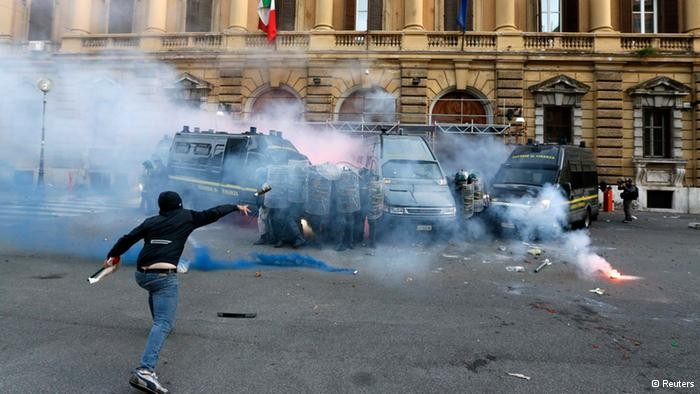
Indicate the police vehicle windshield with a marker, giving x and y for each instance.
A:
(525, 176)
(410, 169)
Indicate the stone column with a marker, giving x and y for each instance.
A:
(6, 17)
(157, 14)
(505, 15)
(601, 15)
(692, 16)
(324, 15)
(80, 21)
(238, 15)
(413, 15)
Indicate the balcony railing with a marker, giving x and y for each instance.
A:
(664, 43)
(352, 41)
(125, 41)
(454, 41)
(581, 42)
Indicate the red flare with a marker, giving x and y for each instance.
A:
(614, 274)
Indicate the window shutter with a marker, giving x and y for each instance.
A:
(569, 17)
(198, 16)
(374, 19)
(450, 18)
(668, 16)
(286, 15)
(626, 16)
(350, 10)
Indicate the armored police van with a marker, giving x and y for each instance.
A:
(519, 184)
(217, 167)
(416, 195)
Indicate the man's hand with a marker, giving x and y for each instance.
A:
(111, 261)
(244, 209)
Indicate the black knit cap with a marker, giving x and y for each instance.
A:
(169, 201)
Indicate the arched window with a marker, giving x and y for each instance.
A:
(373, 105)
(198, 18)
(277, 104)
(121, 16)
(40, 20)
(460, 107)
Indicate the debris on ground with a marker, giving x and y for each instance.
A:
(598, 291)
(674, 343)
(408, 280)
(694, 225)
(545, 263)
(258, 274)
(515, 268)
(535, 251)
(519, 375)
(502, 248)
(450, 256)
(672, 217)
(547, 307)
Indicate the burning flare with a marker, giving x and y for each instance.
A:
(615, 274)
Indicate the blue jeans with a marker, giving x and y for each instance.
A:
(162, 301)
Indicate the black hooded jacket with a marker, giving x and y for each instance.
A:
(165, 235)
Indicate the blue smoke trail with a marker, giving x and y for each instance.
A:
(204, 262)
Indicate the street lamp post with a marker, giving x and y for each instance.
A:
(45, 85)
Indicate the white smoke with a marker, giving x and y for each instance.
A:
(588, 264)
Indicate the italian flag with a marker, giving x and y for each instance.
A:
(268, 18)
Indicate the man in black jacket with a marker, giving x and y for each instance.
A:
(164, 240)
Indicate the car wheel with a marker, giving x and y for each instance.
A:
(586, 223)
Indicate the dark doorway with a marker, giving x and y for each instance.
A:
(558, 125)
(660, 199)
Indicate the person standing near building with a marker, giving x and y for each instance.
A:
(164, 238)
(629, 194)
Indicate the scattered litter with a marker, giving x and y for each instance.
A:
(106, 238)
(450, 256)
(258, 274)
(611, 248)
(228, 251)
(598, 291)
(674, 343)
(544, 264)
(519, 375)
(694, 225)
(485, 262)
(594, 346)
(547, 307)
(667, 217)
(515, 268)
(502, 248)
(535, 251)
(466, 283)
(408, 280)
(355, 272)
(607, 220)
(466, 258)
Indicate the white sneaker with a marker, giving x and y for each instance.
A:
(147, 381)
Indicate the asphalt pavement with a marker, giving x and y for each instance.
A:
(421, 316)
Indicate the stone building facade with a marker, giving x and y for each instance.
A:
(621, 76)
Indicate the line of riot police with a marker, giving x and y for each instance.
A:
(334, 201)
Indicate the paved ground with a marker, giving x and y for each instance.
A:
(419, 317)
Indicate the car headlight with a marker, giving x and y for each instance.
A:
(449, 211)
(545, 203)
(396, 210)
(442, 181)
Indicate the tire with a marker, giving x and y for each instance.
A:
(586, 222)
